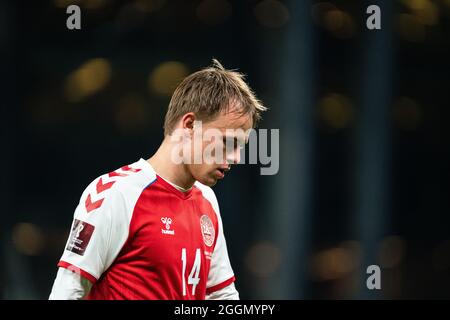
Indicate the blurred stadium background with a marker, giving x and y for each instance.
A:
(363, 118)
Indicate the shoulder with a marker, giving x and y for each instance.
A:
(121, 186)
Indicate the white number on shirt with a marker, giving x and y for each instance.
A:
(193, 278)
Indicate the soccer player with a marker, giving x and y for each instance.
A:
(152, 229)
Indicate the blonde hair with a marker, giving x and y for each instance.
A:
(209, 92)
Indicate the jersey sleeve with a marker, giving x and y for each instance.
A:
(99, 230)
(69, 285)
(221, 273)
(227, 293)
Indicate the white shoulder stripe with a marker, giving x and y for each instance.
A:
(209, 195)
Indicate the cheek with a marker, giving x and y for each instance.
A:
(213, 149)
(200, 170)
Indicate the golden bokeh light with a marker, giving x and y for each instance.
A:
(271, 14)
(319, 10)
(88, 79)
(336, 111)
(28, 239)
(166, 76)
(334, 263)
(263, 259)
(339, 23)
(213, 12)
(425, 10)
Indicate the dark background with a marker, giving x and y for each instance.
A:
(363, 118)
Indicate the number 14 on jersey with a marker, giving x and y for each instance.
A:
(193, 278)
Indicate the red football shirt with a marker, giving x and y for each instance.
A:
(135, 236)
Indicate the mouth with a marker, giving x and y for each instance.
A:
(220, 172)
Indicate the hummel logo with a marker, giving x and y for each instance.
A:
(167, 221)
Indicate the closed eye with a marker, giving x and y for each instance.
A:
(232, 142)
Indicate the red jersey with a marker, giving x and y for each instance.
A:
(135, 236)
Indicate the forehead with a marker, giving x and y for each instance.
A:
(231, 120)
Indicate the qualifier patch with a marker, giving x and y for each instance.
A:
(208, 231)
(80, 237)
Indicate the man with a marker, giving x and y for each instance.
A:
(152, 229)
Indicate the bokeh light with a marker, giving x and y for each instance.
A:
(425, 10)
(271, 14)
(339, 23)
(28, 239)
(166, 76)
(214, 12)
(89, 78)
(334, 263)
(336, 111)
(263, 259)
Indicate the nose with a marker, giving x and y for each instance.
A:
(234, 157)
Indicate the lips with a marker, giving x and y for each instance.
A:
(221, 171)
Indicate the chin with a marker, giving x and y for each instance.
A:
(208, 181)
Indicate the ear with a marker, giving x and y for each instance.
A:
(187, 121)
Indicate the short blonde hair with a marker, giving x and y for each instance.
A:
(209, 92)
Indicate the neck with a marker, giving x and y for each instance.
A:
(164, 166)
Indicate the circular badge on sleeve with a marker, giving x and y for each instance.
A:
(208, 231)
